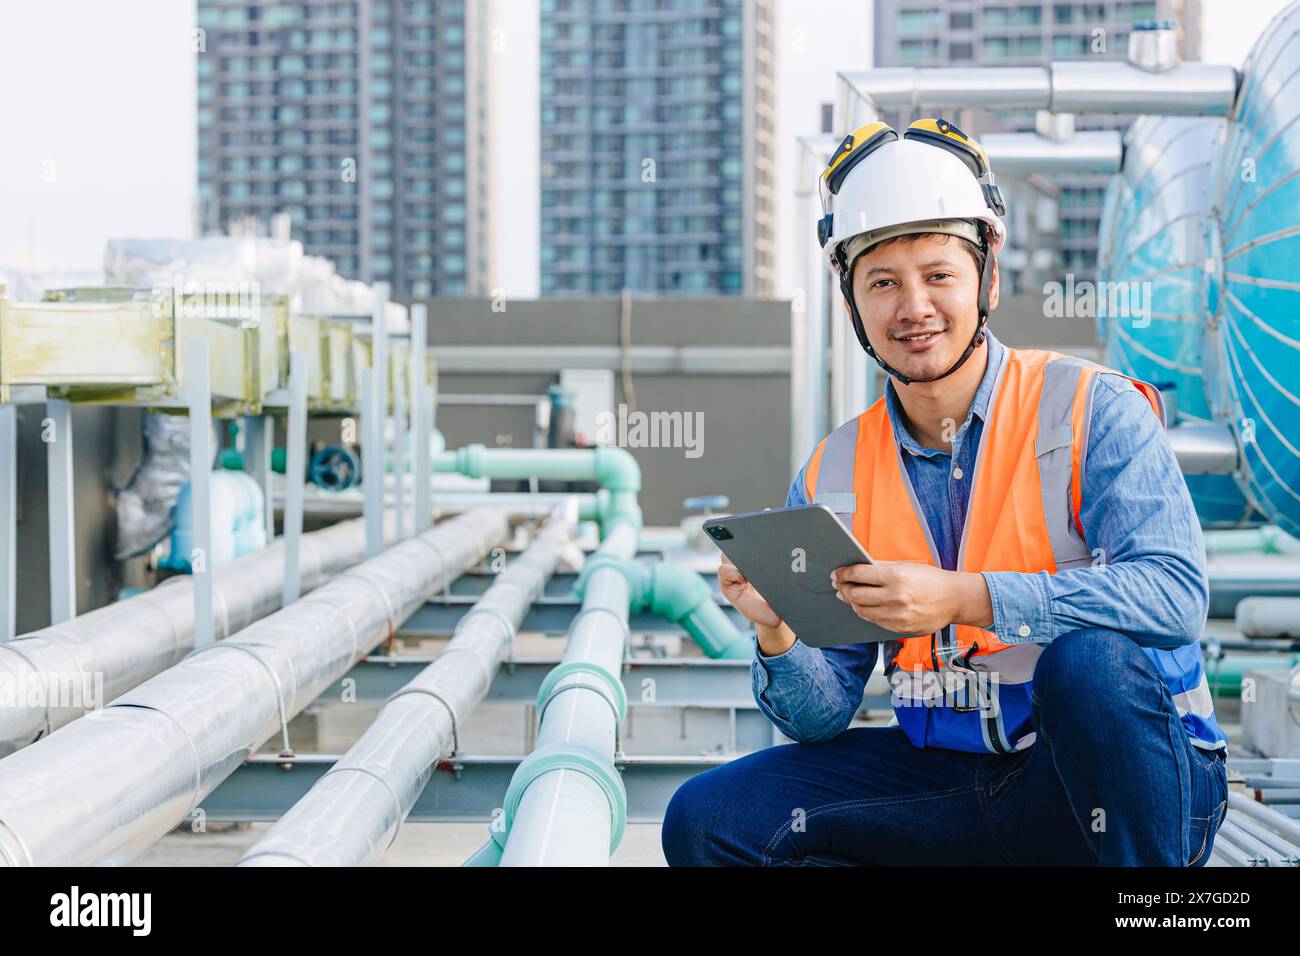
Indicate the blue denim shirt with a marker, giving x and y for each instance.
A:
(1149, 584)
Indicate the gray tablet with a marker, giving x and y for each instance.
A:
(788, 555)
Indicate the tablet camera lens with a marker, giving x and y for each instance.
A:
(719, 533)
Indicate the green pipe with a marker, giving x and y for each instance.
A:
(489, 854)
(1224, 674)
(614, 469)
(232, 459)
(680, 595)
(668, 589)
(1268, 539)
(572, 755)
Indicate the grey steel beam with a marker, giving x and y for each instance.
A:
(649, 359)
(259, 439)
(200, 558)
(56, 431)
(547, 616)
(294, 470)
(421, 417)
(8, 520)
(462, 790)
(676, 682)
(477, 580)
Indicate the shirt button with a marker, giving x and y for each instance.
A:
(1024, 630)
(957, 473)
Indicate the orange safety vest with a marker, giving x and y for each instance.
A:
(963, 688)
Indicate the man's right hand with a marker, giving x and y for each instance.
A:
(774, 636)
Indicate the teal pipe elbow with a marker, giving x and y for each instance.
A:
(716, 635)
(680, 595)
(616, 469)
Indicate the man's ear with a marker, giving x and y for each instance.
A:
(993, 286)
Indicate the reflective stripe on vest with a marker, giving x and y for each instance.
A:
(1023, 516)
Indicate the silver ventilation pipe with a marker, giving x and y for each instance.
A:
(1022, 154)
(67, 669)
(106, 787)
(1187, 89)
(1204, 448)
(810, 309)
(353, 813)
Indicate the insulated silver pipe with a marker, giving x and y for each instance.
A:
(86, 662)
(1204, 448)
(564, 817)
(809, 324)
(107, 786)
(1256, 852)
(1285, 827)
(1269, 617)
(1228, 851)
(1280, 852)
(1187, 89)
(353, 813)
(1021, 154)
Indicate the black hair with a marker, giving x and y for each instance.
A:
(976, 251)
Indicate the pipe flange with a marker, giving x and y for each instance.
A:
(613, 706)
(617, 695)
(568, 756)
(613, 693)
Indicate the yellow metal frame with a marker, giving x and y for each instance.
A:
(114, 345)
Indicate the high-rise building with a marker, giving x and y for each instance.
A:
(657, 147)
(367, 121)
(1015, 33)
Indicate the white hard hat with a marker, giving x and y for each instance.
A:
(935, 179)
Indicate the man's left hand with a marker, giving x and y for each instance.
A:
(914, 599)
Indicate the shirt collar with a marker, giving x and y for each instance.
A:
(979, 405)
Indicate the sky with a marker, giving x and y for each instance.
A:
(97, 120)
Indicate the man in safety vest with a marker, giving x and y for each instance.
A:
(1036, 550)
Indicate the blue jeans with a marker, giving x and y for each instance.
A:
(1111, 779)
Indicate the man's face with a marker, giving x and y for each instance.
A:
(918, 299)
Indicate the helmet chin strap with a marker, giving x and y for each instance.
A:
(981, 332)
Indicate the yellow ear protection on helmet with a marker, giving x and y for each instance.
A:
(856, 147)
(941, 133)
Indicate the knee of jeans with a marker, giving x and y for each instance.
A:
(684, 835)
(1089, 664)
